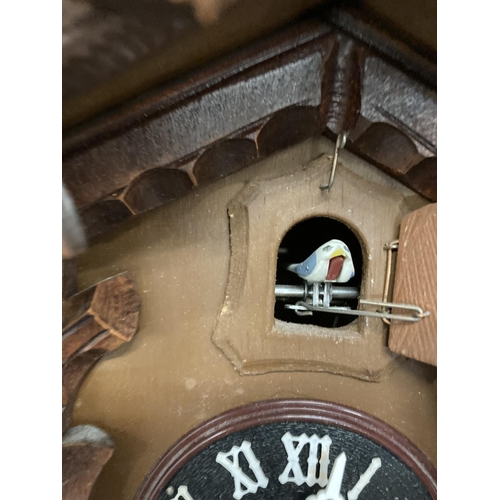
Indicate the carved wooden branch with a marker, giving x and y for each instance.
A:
(85, 451)
(100, 317)
(95, 321)
(73, 375)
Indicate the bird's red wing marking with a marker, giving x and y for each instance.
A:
(334, 268)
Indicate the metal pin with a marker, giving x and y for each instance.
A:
(339, 144)
(316, 294)
(390, 248)
(418, 313)
(302, 312)
(326, 291)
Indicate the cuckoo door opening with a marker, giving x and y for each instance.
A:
(322, 258)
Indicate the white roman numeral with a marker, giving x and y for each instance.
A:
(332, 491)
(240, 478)
(182, 494)
(364, 479)
(293, 465)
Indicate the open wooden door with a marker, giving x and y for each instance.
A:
(416, 283)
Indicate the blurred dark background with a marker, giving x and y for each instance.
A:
(114, 50)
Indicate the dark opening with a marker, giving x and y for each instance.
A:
(297, 245)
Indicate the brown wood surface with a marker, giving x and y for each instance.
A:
(69, 278)
(115, 49)
(259, 217)
(73, 375)
(309, 79)
(207, 11)
(416, 283)
(172, 377)
(364, 25)
(85, 451)
(113, 304)
(95, 321)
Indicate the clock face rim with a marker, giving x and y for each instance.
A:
(279, 410)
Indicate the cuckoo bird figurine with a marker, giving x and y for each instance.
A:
(331, 262)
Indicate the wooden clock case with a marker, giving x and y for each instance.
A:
(196, 151)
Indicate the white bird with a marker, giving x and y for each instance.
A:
(332, 262)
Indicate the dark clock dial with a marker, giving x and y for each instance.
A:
(292, 449)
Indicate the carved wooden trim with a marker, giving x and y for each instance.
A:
(95, 321)
(310, 79)
(73, 375)
(362, 27)
(266, 412)
(112, 303)
(342, 84)
(202, 81)
(115, 49)
(85, 451)
(391, 150)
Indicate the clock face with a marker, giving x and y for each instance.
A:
(292, 450)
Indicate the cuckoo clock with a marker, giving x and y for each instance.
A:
(212, 338)
(270, 337)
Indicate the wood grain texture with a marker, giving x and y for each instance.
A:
(79, 336)
(306, 80)
(416, 283)
(115, 49)
(104, 215)
(288, 127)
(95, 321)
(172, 377)
(423, 178)
(113, 303)
(390, 147)
(252, 90)
(207, 11)
(395, 97)
(73, 375)
(224, 158)
(259, 217)
(342, 84)
(85, 451)
(69, 278)
(366, 27)
(156, 187)
(392, 150)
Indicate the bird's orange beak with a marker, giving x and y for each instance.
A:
(338, 253)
